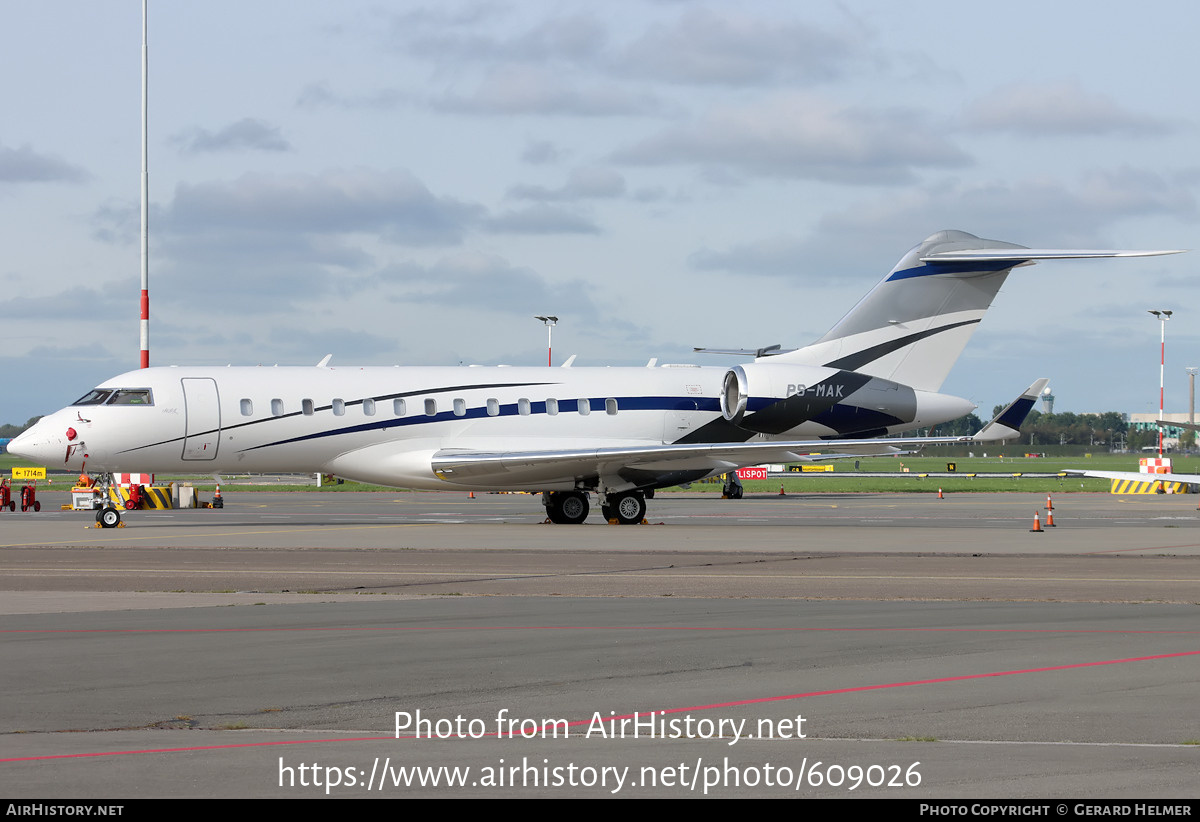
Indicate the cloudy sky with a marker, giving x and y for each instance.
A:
(407, 182)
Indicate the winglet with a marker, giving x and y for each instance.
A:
(1007, 423)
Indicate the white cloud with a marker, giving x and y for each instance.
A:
(394, 205)
(591, 182)
(804, 136)
(247, 134)
(1059, 109)
(522, 89)
(24, 165)
(732, 47)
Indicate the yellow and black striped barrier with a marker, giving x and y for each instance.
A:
(152, 497)
(1147, 487)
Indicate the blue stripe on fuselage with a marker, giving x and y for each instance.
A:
(567, 406)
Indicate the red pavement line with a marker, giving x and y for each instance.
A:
(735, 703)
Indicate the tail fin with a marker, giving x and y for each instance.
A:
(912, 327)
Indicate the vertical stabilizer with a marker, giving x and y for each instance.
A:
(913, 325)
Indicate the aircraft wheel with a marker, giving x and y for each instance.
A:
(109, 517)
(568, 507)
(737, 493)
(630, 509)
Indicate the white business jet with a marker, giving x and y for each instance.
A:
(619, 433)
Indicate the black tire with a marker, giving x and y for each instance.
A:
(608, 512)
(37, 505)
(630, 509)
(568, 507)
(109, 517)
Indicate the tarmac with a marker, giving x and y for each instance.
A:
(814, 645)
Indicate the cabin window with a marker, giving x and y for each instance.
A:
(369, 408)
(96, 396)
(398, 407)
(493, 407)
(131, 396)
(307, 407)
(339, 407)
(247, 408)
(460, 408)
(523, 407)
(551, 406)
(277, 407)
(585, 407)
(431, 407)
(610, 406)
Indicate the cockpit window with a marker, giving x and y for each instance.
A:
(131, 396)
(96, 396)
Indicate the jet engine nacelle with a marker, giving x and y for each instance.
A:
(776, 398)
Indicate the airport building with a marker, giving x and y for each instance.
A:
(1149, 422)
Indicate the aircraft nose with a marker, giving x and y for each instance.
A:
(36, 445)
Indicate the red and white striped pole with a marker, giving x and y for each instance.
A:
(145, 321)
(1162, 316)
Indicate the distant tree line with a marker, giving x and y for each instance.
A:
(10, 430)
(1107, 430)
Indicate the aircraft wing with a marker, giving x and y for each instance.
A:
(473, 467)
(1134, 476)
(650, 463)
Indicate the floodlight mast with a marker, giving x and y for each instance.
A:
(550, 322)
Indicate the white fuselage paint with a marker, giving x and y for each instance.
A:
(236, 419)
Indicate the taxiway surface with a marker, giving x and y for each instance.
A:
(934, 648)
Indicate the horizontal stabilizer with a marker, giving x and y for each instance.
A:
(768, 351)
(1007, 423)
(1016, 255)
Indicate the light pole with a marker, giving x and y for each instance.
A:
(1162, 317)
(1191, 372)
(550, 323)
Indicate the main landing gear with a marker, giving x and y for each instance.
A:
(628, 508)
(571, 507)
(566, 507)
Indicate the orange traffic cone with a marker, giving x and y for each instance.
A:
(1050, 520)
(1049, 504)
(1037, 525)
(471, 495)
(940, 494)
(217, 502)
(781, 490)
